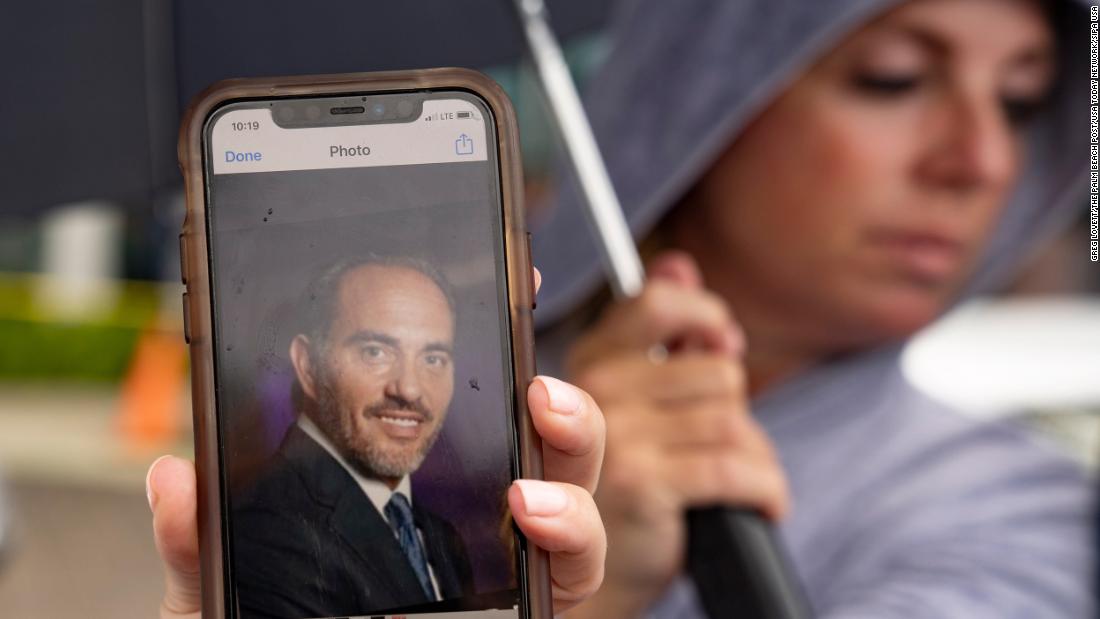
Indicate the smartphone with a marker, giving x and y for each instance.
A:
(358, 308)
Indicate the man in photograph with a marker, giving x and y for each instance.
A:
(331, 527)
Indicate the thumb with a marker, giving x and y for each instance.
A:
(170, 485)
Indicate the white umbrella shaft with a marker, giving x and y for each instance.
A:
(605, 214)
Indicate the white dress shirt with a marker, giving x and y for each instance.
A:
(377, 491)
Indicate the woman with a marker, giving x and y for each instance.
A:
(835, 174)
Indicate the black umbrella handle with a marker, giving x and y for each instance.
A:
(740, 567)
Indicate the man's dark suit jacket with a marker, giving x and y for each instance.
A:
(307, 542)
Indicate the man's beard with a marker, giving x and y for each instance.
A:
(368, 456)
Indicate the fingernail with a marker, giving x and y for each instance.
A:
(149, 494)
(541, 498)
(736, 341)
(564, 398)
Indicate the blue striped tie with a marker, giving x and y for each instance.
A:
(399, 513)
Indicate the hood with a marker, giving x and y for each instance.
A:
(684, 78)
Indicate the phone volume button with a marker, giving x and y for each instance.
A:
(531, 270)
(186, 319)
(183, 260)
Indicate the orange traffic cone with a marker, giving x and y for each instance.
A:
(149, 403)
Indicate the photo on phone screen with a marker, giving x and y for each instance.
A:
(362, 357)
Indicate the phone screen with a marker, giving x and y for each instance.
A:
(362, 356)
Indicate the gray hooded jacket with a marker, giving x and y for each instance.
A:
(903, 507)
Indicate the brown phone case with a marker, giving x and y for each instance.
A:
(198, 319)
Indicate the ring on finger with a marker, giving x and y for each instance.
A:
(657, 354)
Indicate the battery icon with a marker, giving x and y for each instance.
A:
(464, 115)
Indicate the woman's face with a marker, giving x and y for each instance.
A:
(858, 202)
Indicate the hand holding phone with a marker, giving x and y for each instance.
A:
(574, 536)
